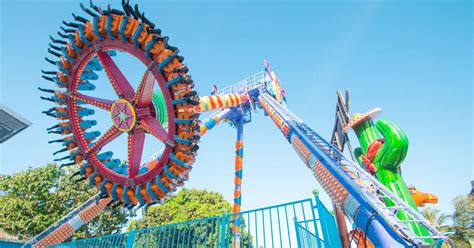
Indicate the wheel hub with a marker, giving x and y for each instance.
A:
(123, 115)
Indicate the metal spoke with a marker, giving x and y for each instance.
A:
(120, 84)
(111, 134)
(153, 127)
(144, 93)
(136, 140)
(98, 102)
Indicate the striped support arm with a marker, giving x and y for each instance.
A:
(66, 230)
(239, 150)
(213, 120)
(209, 103)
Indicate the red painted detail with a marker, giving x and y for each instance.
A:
(118, 80)
(370, 167)
(145, 90)
(73, 81)
(219, 101)
(212, 102)
(374, 148)
(98, 102)
(144, 112)
(136, 140)
(111, 134)
(153, 127)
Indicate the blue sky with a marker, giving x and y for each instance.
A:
(411, 58)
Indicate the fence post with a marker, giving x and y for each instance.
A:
(329, 227)
(223, 223)
(297, 231)
(316, 208)
(130, 239)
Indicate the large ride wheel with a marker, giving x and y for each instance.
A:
(161, 106)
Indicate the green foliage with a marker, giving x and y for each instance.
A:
(463, 211)
(34, 199)
(188, 204)
(435, 217)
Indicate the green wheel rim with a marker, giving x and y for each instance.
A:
(160, 106)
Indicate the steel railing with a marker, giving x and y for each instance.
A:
(285, 225)
(249, 83)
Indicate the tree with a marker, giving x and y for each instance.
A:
(462, 220)
(436, 218)
(34, 199)
(186, 205)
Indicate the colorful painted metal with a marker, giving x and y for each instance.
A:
(273, 86)
(239, 153)
(422, 198)
(213, 120)
(209, 103)
(383, 148)
(350, 186)
(162, 105)
(65, 227)
(340, 140)
(172, 116)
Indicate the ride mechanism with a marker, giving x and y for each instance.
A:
(164, 106)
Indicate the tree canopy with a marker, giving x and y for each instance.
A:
(461, 227)
(190, 204)
(462, 221)
(436, 218)
(186, 205)
(32, 200)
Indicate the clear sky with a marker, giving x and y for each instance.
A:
(411, 58)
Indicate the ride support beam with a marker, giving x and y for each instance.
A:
(340, 139)
(339, 187)
(60, 233)
(239, 153)
(209, 103)
(67, 229)
(213, 120)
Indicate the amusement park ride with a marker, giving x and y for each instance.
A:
(368, 190)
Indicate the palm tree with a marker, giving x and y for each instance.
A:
(436, 218)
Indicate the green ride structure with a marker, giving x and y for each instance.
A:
(383, 147)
